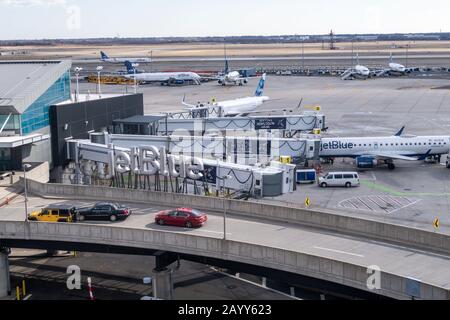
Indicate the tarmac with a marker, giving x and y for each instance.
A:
(414, 194)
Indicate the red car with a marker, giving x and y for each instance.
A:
(182, 217)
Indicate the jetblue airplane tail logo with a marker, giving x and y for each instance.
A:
(130, 68)
(104, 55)
(260, 89)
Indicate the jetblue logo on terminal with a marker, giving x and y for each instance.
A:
(334, 145)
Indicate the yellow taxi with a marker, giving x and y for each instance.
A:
(54, 214)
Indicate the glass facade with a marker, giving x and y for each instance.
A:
(13, 123)
(37, 116)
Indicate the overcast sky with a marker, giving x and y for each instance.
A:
(37, 19)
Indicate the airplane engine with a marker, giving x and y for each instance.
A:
(366, 162)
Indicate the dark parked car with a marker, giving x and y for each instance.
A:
(183, 217)
(104, 211)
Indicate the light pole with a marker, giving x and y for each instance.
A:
(25, 167)
(303, 54)
(77, 74)
(224, 178)
(99, 70)
(135, 65)
(407, 53)
(151, 60)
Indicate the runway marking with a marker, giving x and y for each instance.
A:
(338, 251)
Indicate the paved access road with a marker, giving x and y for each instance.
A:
(428, 267)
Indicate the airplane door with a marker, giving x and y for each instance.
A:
(375, 145)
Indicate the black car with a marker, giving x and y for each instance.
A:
(104, 211)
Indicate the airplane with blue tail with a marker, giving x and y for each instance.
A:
(237, 107)
(371, 151)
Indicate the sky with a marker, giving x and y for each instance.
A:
(55, 19)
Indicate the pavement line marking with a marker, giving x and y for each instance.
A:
(338, 251)
(393, 192)
(409, 205)
(374, 177)
(364, 203)
(380, 206)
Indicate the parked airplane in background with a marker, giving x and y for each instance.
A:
(236, 107)
(370, 151)
(231, 77)
(105, 58)
(394, 69)
(165, 78)
(357, 72)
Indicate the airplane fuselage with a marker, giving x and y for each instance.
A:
(241, 106)
(402, 146)
(165, 76)
(395, 67)
(362, 70)
(123, 60)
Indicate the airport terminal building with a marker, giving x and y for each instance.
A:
(27, 90)
(38, 113)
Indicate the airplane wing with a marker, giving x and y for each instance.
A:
(189, 106)
(278, 110)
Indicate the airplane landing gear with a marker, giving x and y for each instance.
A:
(391, 166)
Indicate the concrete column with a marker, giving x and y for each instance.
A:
(163, 284)
(5, 285)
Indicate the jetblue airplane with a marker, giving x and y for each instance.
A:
(237, 107)
(105, 58)
(386, 149)
(165, 78)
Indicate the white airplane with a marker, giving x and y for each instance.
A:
(394, 68)
(231, 77)
(105, 58)
(236, 107)
(370, 151)
(357, 72)
(165, 78)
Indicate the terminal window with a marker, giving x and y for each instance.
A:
(37, 116)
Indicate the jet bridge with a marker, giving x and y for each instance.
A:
(107, 161)
(233, 149)
(287, 125)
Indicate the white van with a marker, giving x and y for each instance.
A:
(340, 179)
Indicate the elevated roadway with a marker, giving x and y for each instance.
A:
(293, 248)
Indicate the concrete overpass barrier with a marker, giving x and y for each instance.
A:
(403, 235)
(353, 275)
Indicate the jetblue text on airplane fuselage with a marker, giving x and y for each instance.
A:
(335, 145)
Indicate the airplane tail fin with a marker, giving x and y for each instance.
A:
(357, 58)
(227, 67)
(400, 133)
(103, 55)
(260, 89)
(130, 68)
(391, 58)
